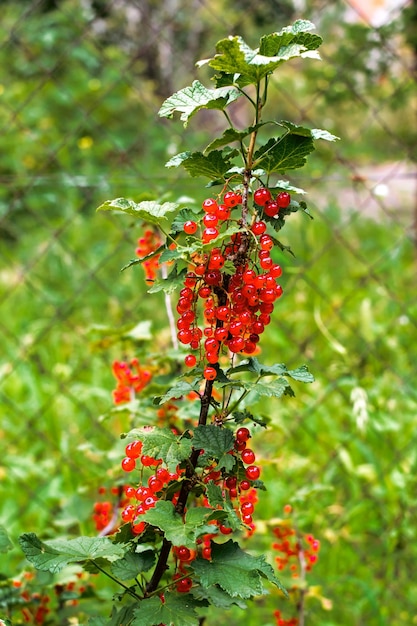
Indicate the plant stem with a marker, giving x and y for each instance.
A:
(125, 587)
(186, 486)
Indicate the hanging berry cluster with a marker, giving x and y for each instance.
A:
(131, 379)
(239, 298)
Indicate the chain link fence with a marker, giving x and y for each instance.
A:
(80, 87)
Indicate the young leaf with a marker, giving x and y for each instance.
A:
(133, 564)
(148, 210)
(297, 33)
(191, 99)
(235, 58)
(53, 556)
(235, 571)
(175, 610)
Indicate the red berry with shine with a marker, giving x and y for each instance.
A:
(283, 199)
(190, 227)
(262, 196)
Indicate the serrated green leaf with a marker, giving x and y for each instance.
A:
(236, 59)
(162, 443)
(214, 494)
(133, 564)
(235, 571)
(5, 543)
(217, 443)
(195, 97)
(214, 165)
(148, 210)
(217, 597)
(288, 152)
(297, 33)
(176, 610)
(52, 556)
(177, 530)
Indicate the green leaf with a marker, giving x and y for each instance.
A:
(231, 135)
(5, 543)
(288, 152)
(53, 556)
(217, 443)
(183, 216)
(180, 531)
(214, 165)
(181, 388)
(235, 571)
(148, 210)
(301, 374)
(217, 597)
(193, 98)
(133, 564)
(176, 610)
(297, 33)
(236, 59)
(171, 283)
(162, 443)
(214, 494)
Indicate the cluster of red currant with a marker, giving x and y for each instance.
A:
(148, 243)
(145, 495)
(131, 378)
(296, 551)
(237, 306)
(37, 606)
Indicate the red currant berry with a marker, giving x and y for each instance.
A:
(190, 360)
(258, 228)
(283, 199)
(184, 585)
(183, 553)
(242, 434)
(209, 373)
(128, 464)
(247, 508)
(248, 456)
(190, 227)
(253, 472)
(210, 220)
(209, 234)
(225, 530)
(134, 449)
(210, 205)
(275, 271)
(271, 209)
(262, 196)
(231, 199)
